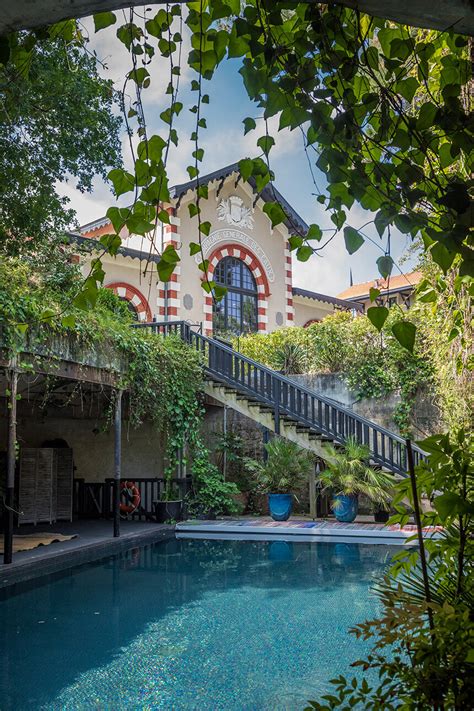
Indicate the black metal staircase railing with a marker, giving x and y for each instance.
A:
(286, 398)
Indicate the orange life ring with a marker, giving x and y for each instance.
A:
(133, 497)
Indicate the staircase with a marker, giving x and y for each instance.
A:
(285, 407)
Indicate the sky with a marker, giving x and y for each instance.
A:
(224, 143)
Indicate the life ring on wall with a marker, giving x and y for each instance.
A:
(132, 495)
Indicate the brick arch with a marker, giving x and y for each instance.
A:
(132, 294)
(258, 272)
(311, 321)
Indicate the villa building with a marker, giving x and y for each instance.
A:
(397, 289)
(248, 257)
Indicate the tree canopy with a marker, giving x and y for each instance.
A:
(384, 110)
(56, 122)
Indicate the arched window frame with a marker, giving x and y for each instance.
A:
(134, 296)
(232, 273)
(258, 272)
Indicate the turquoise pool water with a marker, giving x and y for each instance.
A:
(189, 624)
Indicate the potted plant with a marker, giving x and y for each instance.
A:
(287, 468)
(348, 474)
(170, 505)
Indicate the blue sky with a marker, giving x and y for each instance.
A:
(225, 143)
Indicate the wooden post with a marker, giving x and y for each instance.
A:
(312, 493)
(11, 462)
(276, 406)
(419, 531)
(117, 462)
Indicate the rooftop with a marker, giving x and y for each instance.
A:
(334, 300)
(294, 223)
(400, 282)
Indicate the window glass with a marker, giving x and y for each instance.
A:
(237, 311)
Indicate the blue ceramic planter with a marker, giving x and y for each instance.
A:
(280, 506)
(345, 508)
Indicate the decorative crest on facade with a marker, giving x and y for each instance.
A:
(233, 211)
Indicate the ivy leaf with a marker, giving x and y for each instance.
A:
(377, 316)
(353, 239)
(266, 143)
(194, 248)
(122, 181)
(163, 216)
(405, 333)
(104, 19)
(314, 232)
(167, 263)
(407, 88)
(246, 168)
(249, 125)
(295, 241)
(385, 265)
(442, 256)
(275, 212)
(193, 209)
(304, 253)
(205, 228)
(68, 321)
(219, 292)
(156, 144)
(374, 294)
(112, 243)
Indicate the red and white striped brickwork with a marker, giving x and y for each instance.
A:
(132, 294)
(169, 307)
(290, 312)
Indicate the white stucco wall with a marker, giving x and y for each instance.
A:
(309, 310)
(93, 451)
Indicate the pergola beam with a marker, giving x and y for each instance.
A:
(439, 15)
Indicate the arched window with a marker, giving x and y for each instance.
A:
(237, 311)
(131, 307)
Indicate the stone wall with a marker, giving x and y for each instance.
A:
(380, 410)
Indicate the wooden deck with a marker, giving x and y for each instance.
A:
(92, 540)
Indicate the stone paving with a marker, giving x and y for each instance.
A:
(305, 527)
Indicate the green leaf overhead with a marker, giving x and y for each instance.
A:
(353, 239)
(405, 333)
(104, 19)
(377, 315)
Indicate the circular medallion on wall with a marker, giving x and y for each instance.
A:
(279, 318)
(188, 302)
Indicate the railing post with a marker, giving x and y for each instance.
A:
(11, 464)
(117, 462)
(312, 493)
(276, 406)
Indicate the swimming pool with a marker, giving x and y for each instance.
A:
(189, 624)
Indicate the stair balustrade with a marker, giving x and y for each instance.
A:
(287, 399)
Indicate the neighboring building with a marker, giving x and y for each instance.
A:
(245, 254)
(395, 290)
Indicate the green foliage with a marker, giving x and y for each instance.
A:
(56, 122)
(163, 376)
(210, 493)
(348, 472)
(287, 468)
(290, 358)
(423, 641)
(372, 364)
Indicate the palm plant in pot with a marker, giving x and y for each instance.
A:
(287, 469)
(348, 475)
